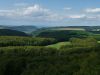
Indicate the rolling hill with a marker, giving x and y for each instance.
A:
(8, 32)
(22, 28)
(26, 29)
(63, 35)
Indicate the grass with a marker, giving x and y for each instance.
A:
(98, 41)
(59, 45)
(77, 29)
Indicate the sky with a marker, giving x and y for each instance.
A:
(50, 12)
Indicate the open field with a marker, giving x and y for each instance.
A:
(58, 45)
(79, 29)
(98, 41)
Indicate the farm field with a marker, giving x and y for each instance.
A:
(77, 29)
(98, 41)
(59, 45)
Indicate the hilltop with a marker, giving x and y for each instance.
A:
(9, 32)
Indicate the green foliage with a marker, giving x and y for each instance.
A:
(86, 42)
(59, 45)
(63, 35)
(96, 36)
(29, 56)
(24, 41)
(28, 60)
(8, 32)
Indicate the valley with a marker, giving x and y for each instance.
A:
(49, 37)
(50, 51)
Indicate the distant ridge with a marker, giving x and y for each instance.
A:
(23, 28)
(8, 32)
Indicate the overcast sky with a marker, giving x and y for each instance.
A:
(50, 12)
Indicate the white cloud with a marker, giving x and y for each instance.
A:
(77, 16)
(36, 9)
(35, 12)
(92, 10)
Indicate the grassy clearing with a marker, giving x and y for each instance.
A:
(98, 41)
(58, 45)
(77, 29)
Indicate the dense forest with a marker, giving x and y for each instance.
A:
(32, 55)
(9, 32)
(48, 61)
(63, 35)
(80, 58)
(25, 41)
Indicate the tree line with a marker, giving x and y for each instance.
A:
(25, 41)
(29, 60)
(78, 59)
(63, 35)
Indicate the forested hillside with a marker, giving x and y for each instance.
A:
(8, 32)
(63, 35)
(25, 41)
(46, 54)
(22, 28)
(78, 59)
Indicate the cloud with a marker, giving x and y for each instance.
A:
(27, 11)
(92, 10)
(34, 12)
(39, 14)
(36, 9)
(77, 16)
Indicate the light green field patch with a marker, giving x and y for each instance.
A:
(76, 29)
(59, 45)
(98, 41)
